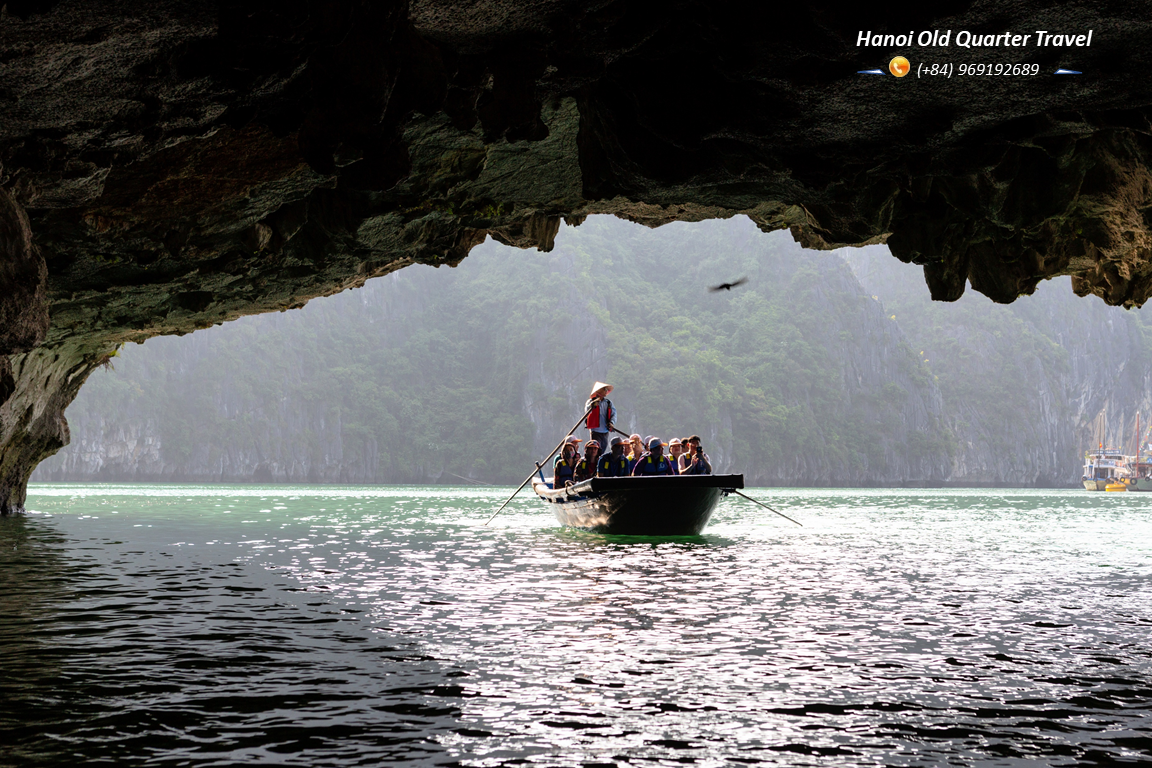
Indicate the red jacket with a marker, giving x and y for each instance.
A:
(593, 421)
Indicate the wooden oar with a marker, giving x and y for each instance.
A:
(469, 480)
(575, 427)
(766, 507)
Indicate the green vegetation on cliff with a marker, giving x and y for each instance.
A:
(1024, 386)
(431, 375)
(824, 369)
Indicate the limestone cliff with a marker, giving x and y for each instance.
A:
(963, 394)
(252, 401)
(1026, 388)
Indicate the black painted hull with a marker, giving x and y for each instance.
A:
(642, 506)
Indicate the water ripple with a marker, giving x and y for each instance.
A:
(147, 625)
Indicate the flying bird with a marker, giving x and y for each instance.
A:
(728, 286)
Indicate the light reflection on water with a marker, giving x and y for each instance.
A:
(346, 626)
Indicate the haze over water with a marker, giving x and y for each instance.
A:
(166, 625)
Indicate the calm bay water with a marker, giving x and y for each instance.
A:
(211, 626)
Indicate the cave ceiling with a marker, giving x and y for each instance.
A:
(182, 163)
(168, 165)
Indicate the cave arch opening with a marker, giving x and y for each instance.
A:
(826, 368)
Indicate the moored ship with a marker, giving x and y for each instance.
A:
(1139, 469)
(1103, 468)
(1140, 476)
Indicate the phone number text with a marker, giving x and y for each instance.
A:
(977, 70)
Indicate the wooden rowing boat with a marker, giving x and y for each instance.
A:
(677, 505)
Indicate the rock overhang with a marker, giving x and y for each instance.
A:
(171, 165)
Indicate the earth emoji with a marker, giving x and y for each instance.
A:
(899, 66)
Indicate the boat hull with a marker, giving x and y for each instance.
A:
(640, 506)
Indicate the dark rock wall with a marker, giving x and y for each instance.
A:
(40, 384)
(182, 163)
(23, 279)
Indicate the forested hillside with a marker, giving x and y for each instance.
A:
(824, 369)
(432, 375)
(1028, 386)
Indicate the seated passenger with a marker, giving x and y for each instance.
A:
(586, 467)
(565, 463)
(654, 462)
(696, 462)
(684, 459)
(675, 451)
(635, 451)
(615, 463)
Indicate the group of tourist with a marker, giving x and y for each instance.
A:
(606, 456)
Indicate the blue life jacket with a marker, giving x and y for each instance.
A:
(561, 472)
(612, 466)
(646, 466)
(699, 468)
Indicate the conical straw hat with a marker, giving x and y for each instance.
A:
(599, 386)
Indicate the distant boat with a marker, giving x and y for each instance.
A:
(676, 505)
(1139, 476)
(1103, 468)
(1139, 472)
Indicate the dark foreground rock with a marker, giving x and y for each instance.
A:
(172, 165)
